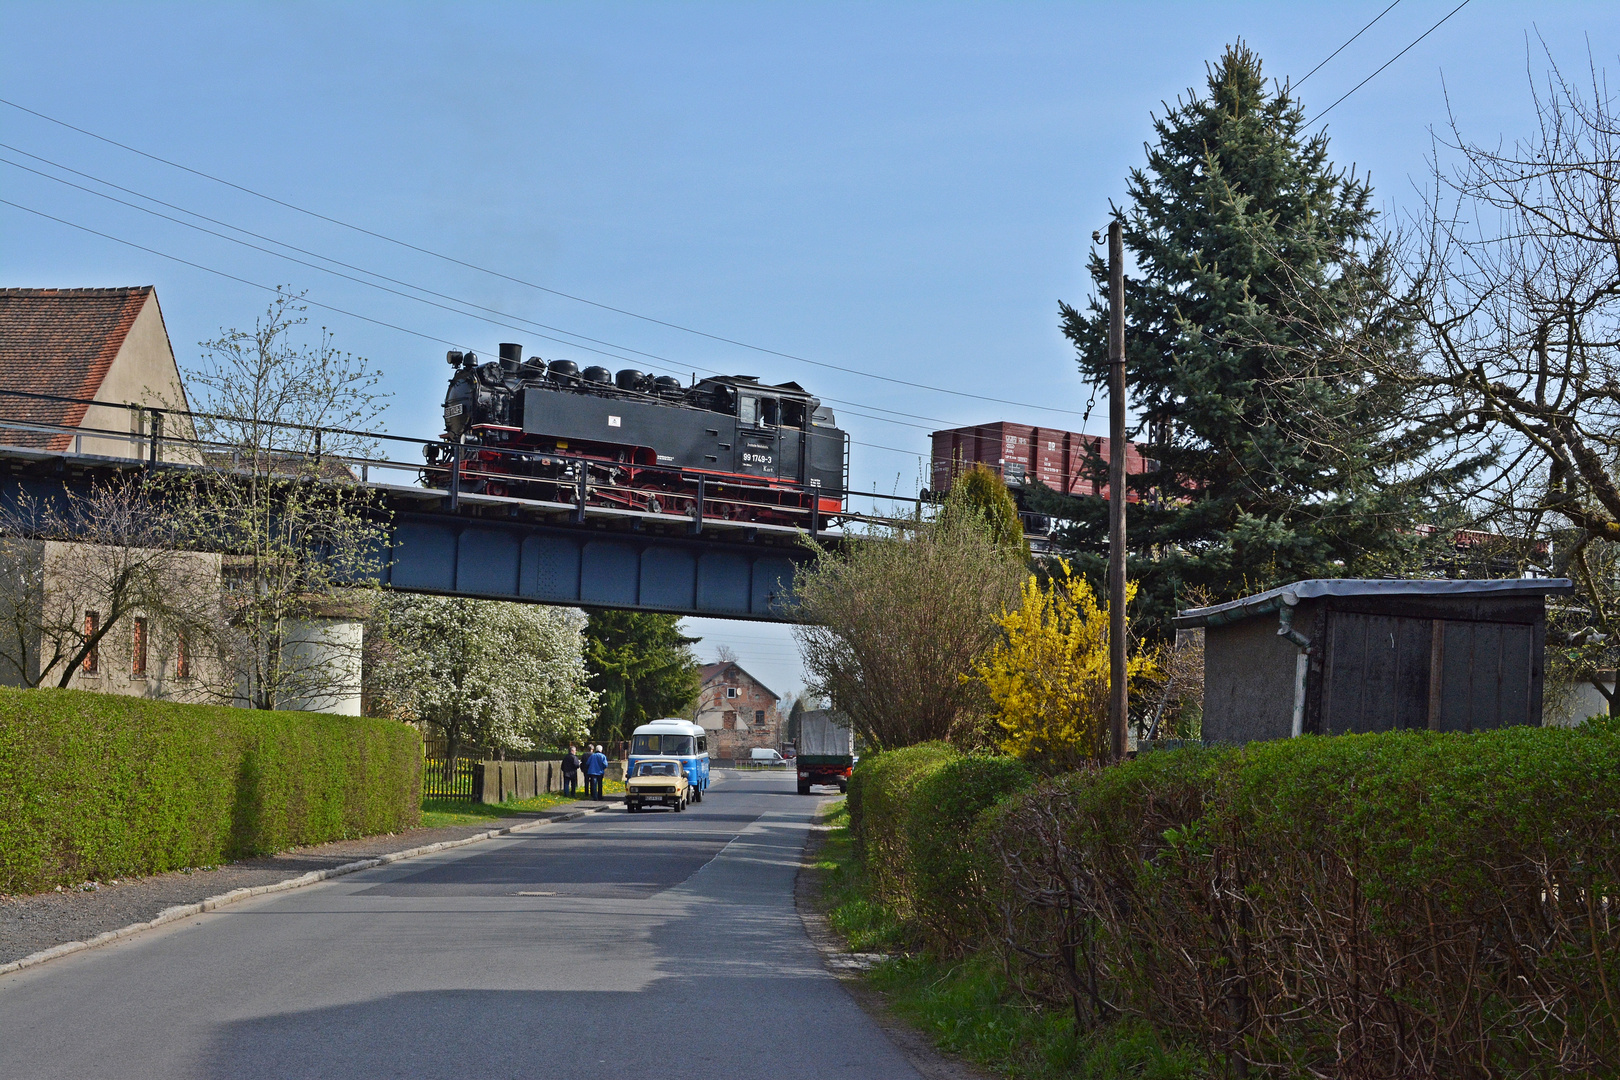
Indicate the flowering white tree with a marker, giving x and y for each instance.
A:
(486, 674)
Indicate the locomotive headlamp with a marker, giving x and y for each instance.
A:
(453, 357)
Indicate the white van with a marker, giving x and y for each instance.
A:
(771, 758)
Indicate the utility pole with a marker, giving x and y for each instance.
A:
(1118, 691)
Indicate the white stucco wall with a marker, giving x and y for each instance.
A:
(330, 648)
(143, 373)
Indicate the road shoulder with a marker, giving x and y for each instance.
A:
(40, 927)
(848, 967)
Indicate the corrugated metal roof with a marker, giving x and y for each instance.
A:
(1271, 600)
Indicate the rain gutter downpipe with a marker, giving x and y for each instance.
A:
(1285, 628)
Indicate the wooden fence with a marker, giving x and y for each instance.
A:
(498, 781)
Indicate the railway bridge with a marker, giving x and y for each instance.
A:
(578, 550)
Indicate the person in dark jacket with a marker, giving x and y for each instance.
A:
(595, 769)
(570, 771)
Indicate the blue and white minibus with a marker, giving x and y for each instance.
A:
(673, 738)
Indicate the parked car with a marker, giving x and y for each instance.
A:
(673, 738)
(658, 782)
(771, 758)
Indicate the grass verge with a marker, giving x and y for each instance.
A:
(442, 813)
(967, 1006)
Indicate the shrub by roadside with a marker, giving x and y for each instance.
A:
(912, 812)
(104, 786)
(968, 1006)
(1396, 905)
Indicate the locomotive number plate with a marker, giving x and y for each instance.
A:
(453, 410)
(613, 421)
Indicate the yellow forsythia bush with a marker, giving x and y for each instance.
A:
(1048, 678)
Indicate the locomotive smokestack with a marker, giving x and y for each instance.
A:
(511, 355)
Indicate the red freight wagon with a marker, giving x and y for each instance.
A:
(1022, 454)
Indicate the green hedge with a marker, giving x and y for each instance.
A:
(949, 878)
(912, 813)
(1405, 904)
(95, 786)
(880, 797)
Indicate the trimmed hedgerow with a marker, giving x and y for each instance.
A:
(1396, 905)
(880, 798)
(1410, 904)
(912, 813)
(96, 785)
(948, 878)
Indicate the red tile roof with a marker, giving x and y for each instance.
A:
(59, 341)
(708, 673)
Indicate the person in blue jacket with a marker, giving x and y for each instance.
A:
(595, 769)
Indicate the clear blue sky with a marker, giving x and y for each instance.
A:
(902, 189)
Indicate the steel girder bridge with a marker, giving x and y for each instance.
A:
(576, 548)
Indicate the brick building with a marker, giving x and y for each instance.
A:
(738, 711)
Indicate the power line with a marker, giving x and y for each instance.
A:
(529, 323)
(305, 300)
(528, 328)
(1346, 45)
(227, 276)
(1388, 62)
(301, 251)
(529, 284)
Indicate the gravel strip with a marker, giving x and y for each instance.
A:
(33, 923)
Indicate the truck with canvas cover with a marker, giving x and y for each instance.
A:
(826, 750)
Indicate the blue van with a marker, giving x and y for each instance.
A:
(671, 738)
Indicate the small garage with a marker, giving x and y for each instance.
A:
(1341, 655)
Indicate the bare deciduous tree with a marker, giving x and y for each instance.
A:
(893, 622)
(299, 535)
(1514, 271)
(79, 567)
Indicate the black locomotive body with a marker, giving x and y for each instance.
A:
(729, 447)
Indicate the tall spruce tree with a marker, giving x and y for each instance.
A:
(1261, 291)
(642, 668)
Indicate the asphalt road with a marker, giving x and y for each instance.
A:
(647, 945)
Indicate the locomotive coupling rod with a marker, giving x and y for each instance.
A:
(697, 510)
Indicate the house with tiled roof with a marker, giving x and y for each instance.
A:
(89, 371)
(737, 710)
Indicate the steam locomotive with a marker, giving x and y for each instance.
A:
(730, 447)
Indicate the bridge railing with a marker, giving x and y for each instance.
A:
(453, 471)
